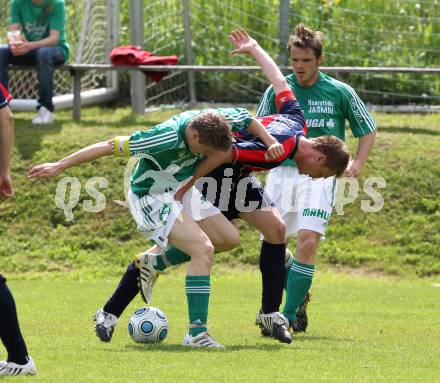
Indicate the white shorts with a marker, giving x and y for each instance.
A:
(156, 214)
(303, 202)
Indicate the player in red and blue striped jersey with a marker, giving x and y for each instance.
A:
(286, 127)
(5, 97)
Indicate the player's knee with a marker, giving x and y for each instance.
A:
(275, 232)
(204, 253)
(234, 241)
(307, 244)
(230, 242)
(209, 254)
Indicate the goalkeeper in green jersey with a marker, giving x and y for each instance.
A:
(327, 104)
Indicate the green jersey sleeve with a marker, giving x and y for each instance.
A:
(150, 142)
(360, 120)
(58, 17)
(238, 118)
(15, 12)
(267, 106)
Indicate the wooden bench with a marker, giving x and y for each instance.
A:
(77, 70)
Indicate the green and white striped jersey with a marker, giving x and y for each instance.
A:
(326, 105)
(165, 159)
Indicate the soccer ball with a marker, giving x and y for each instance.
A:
(148, 325)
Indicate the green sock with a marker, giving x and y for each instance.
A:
(298, 285)
(172, 256)
(287, 265)
(198, 289)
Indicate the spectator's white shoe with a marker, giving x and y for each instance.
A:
(44, 116)
(9, 368)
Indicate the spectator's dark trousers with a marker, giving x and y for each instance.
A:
(44, 59)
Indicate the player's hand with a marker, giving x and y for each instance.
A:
(242, 41)
(6, 189)
(353, 169)
(274, 151)
(47, 170)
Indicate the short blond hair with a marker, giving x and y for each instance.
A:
(214, 130)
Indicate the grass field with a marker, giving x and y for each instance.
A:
(362, 329)
(365, 324)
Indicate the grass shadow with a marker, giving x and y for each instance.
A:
(127, 120)
(177, 347)
(406, 130)
(28, 137)
(122, 123)
(319, 338)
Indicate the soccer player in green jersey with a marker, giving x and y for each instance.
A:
(327, 104)
(169, 154)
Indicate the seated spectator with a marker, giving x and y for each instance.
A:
(36, 38)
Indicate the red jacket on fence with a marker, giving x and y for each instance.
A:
(132, 55)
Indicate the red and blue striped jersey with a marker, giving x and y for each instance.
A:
(5, 97)
(286, 127)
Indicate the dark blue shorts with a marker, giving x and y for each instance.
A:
(237, 192)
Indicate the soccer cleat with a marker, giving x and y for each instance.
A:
(10, 368)
(301, 321)
(148, 274)
(44, 116)
(105, 325)
(264, 331)
(274, 324)
(201, 340)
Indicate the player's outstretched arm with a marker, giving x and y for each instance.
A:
(90, 153)
(244, 44)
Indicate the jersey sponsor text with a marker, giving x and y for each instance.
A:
(320, 106)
